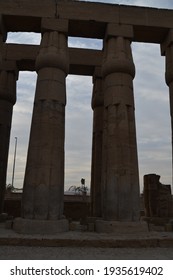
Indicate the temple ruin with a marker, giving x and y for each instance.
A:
(115, 175)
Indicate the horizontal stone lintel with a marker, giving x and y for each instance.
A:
(49, 24)
(82, 61)
(114, 30)
(87, 19)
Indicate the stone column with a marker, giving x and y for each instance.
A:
(8, 77)
(167, 51)
(120, 178)
(3, 34)
(96, 169)
(43, 196)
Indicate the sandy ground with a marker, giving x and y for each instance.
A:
(76, 251)
(60, 253)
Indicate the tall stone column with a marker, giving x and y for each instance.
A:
(8, 77)
(120, 178)
(96, 169)
(167, 51)
(43, 195)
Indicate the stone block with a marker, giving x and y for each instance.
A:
(120, 227)
(169, 227)
(8, 66)
(125, 31)
(28, 8)
(91, 227)
(75, 226)
(49, 24)
(3, 29)
(157, 197)
(20, 52)
(167, 42)
(3, 217)
(159, 17)
(9, 224)
(133, 15)
(88, 11)
(27, 226)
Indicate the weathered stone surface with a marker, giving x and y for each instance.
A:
(7, 100)
(44, 178)
(28, 226)
(82, 61)
(30, 8)
(87, 19)
(49, 24)
(120, 182)
(96, 168)
(3, 32)
(3, 217)
(157, 197)
(121, 227)
(119, 30)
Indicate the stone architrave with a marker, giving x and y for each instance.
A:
(43, 195)
(96, 169)
(8, 77)
(120, 181)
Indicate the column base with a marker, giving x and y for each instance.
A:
(103, 226)
(3, 217)
(28, 226)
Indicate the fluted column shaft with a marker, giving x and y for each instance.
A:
(44, 178)
(96, 169)
(120, 181)
(8, 76)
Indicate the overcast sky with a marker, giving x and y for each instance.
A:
(152, 111)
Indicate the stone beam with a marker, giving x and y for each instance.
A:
(82, 61)
(32, 8)
(87, 19)
(24, 55)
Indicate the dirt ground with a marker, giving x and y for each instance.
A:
(67, 253)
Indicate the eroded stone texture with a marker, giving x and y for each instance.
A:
(3, 32)
(157, 197)
(96, 168)
(8, 77)
(44, 178)
(120, 182)
(32, 226)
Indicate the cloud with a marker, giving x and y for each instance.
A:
(24, 38)
(166, 4)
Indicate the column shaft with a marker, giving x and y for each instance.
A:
(44, 178)
(7, 100)
(169, 77)
(96, 169)
(120, 181)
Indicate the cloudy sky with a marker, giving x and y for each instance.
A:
(152, 111)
